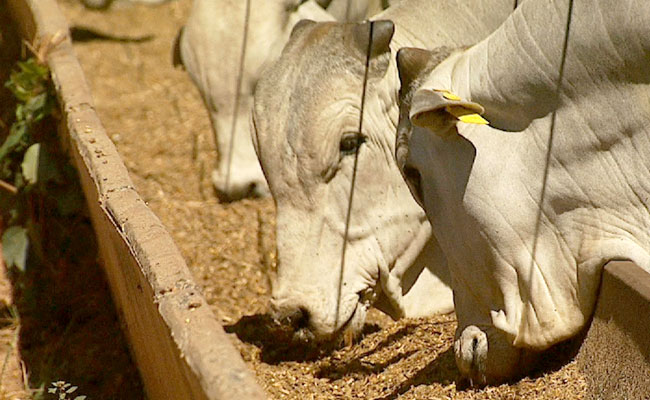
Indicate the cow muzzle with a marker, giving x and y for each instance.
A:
(294, 318)
(239, 183)
(314, 324)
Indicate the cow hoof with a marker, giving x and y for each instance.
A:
(486, 356)
(471, 350)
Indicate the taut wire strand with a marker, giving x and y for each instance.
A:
(354, 177)
(347, 10)
(549, 147)
(240, 78)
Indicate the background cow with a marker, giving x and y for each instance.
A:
(529, 209)
(210, 47)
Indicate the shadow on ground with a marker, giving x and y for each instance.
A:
(376, 354)
(277, 344)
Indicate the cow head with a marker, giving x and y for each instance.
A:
(517, 286)
(306, 133)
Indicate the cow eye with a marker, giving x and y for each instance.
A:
(350, 142)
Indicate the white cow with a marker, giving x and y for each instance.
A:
(353, 10)
(210, 46)
(306, 122)
(528, 221)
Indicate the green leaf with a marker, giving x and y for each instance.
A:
(15, 138)
(80, 398)
(36, 107)
(30, 163)
(29, 80)
(38, 166)
(15, 245)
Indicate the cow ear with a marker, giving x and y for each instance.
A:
(411, 62)
(441, 110)
(177, 57)
(382, 33)
(301, 26)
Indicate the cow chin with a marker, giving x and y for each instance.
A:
(485, 356)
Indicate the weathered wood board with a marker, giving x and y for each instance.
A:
(615, 355)
(180, 348)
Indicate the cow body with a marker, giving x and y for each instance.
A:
(526, 220)
(306, 122)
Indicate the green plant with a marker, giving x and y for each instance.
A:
(36, 178)
(64, 390)
(19, 167)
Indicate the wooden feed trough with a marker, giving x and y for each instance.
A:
(181, 350)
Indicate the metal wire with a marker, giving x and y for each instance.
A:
(354, 177)
(347, 10)
(240, 78)
(549, 145)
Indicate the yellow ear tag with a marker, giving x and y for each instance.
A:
(467, 116)
(448, 95)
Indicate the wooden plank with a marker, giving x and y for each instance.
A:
(181, 350)
(615, 356)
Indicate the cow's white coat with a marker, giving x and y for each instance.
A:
(304, 105)
(525, 247)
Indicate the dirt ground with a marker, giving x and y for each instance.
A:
(156, 118)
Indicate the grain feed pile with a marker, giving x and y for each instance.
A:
(157, 120)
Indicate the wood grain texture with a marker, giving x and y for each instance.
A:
(615, 355)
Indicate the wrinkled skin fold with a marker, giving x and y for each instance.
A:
(529, 209)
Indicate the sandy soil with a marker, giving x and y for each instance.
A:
(156, 118)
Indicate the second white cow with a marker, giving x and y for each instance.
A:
(210, 48)
(529, 208)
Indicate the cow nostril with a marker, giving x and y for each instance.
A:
(252, 190)
(296, 318)
(414, 181)
(302, 319)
